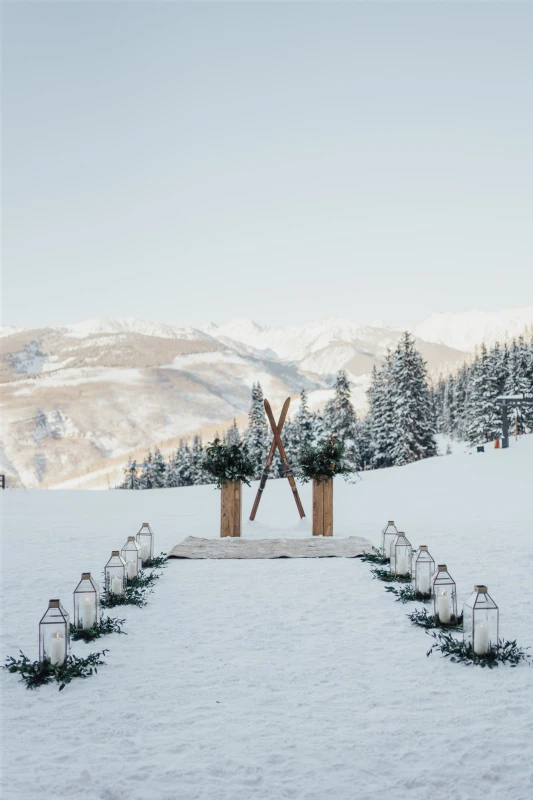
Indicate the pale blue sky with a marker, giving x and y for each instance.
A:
(284, 162)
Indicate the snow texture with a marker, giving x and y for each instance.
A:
(294, 679)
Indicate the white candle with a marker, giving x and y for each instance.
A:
(145, 552)
(116, 585)
(443, 608)
(423, 582)
(131, 566)
(57, 649)
(481, 638)
(87, 613)
(401, 566)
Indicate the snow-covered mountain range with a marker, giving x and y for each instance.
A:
(83, 396)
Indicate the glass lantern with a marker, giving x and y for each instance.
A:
(54, 634)
(115, 574)
(401, 554)
(86, 602)
(145, 538)
(388, 533)
(444, 596)
(480, 621)
(423, 571)
(131, 553)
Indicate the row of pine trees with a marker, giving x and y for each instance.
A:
(405, 413)
(466, 404)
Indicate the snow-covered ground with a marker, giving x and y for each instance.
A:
(276, 679)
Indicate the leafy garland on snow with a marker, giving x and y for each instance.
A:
(424, 620)
(38, 673)
(323, 461)
(229, 462)
(389, 577)
(156, 562)
(102, 628)
(505, 652)
(375, 557)
(407, 593)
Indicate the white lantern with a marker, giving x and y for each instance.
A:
(401, 554)
(388, 534)
(131, 553)
(115, 574)
(145, 538)
(480, 621)
(86, 602)
(444, 596)
(423, 571)
(54, 634)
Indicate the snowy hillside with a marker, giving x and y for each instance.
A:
(466, 330)
(292, 678)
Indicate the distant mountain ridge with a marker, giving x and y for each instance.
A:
(82, 396)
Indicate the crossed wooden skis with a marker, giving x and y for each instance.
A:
(277, 443)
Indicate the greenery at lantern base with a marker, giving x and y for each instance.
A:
(229, 462)
(142, 580)
(39, 673)
(375, 557)
(102, 628)
(505, 652)
(156, 562)
(424, 620)
(323, 461)
(389, 577)
(407, 593)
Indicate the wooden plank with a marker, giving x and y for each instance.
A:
(225, 512)
(231, 508)
(318, 508)
(270, 457)
(328, 507)
(237, 507)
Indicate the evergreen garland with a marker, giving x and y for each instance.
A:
(323, 461)
(424, 620)
(157, 562)
(39, 673)
(505, 652)
(102, 628)
(389, 577)
(229, 462)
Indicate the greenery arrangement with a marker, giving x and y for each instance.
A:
(103, 628)
(425, 620)
(505, 652)
(156, 562)
(389, 577)
(407, 593)
(323, 461)
(229, 462)
(133, 596)
(143, 581)
(375, 557)
(38, 673)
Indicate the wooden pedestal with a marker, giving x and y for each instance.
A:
(231, 509)
(323, 508)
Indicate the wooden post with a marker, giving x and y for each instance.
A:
(323, 507)
(231, 508)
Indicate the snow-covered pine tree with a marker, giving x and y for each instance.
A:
(232, 435)
(340, 417)
(131, 476)
(381, 413)
(414, 423)
(519, 382)
(159, 470)
(257, 434)
(146, 480)
(197, 475)
(303, 424)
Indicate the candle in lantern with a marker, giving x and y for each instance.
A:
(443, 608)
(401, 566)
(132, 569)
(481, 638)
(87, 613)
(145, 552)
(116, 585)
(57, 649)
(423, 582)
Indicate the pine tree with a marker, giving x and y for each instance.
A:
(303, 423)
(381, 413)
(146, 480)
(159, 470)
(131, 477)
(197, 475)
(232, 435)
(257, 437)
(414, 423)
(340, 417)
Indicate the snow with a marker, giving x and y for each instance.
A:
(292, 678)
(91, 327)
(466, 330)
